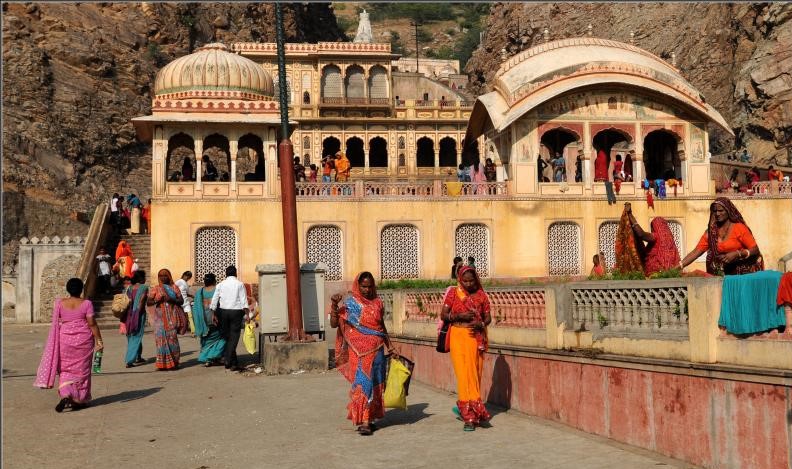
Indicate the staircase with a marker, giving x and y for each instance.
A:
(141, 250)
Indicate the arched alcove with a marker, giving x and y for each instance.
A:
(425, 152)
(378, 152)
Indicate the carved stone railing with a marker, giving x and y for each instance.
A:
(336, 190)
(400, 189)
(361, 101)
(514, 307)
(624, 308)
(476, 189)
(765, 188)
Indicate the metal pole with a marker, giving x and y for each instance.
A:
(288, 196)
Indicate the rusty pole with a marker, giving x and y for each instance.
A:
(288, 196)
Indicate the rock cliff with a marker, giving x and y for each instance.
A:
(74, 76)
(738, 55)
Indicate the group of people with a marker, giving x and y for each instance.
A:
(216, 318)
(133, 218)
(210, 173)
(338, 164)
(112, 271)
(362, 341)
(750, 177)
(557, 163)
(477, 173)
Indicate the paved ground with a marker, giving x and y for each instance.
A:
(198, 418)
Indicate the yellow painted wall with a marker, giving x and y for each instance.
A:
(518, 229)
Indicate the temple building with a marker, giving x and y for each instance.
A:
(402, 215)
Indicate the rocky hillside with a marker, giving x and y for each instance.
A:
(74, 75)
(738, 55)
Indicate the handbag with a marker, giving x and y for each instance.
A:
(120, 304)
(444, 338)
(395, 395)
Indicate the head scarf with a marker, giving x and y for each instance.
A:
(628, 251)
(123, 250)
(742, 266)
(464, 269)
(477, 301)
(662, 254)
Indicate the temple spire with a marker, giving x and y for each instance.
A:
(364, 29)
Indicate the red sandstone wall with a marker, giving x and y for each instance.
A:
(711, 422)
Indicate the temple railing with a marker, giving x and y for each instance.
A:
(428, 189)
(475, 189)
(400, 189)
(766, 188)
(626, 308)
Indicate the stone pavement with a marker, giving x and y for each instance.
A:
(199, 418)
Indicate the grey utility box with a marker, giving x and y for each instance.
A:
(272, 298)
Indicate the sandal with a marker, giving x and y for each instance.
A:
(364, 430)
(468, 427)
(62, 404)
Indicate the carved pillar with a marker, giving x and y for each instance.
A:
(638, 164)
(198, 162)
(233, 147)
(160, 163)
(588, 151)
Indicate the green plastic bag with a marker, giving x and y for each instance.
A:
(249, 338)
(395, 396)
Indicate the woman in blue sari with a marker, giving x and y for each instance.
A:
(135, 319)
(212, 342)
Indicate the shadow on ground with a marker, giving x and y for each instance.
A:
(125, 396)
(414, 413)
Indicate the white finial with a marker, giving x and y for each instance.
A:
(546, 34)
(504, 55)
(632, 37)
(673, 59)
(364, 29)
(590, 30)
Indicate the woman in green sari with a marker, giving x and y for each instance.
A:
(135, 319)
(212, 342)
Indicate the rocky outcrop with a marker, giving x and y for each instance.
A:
(74, 76)
(737, 55)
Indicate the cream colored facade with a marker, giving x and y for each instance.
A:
(401, 219)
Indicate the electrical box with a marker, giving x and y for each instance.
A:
(274, 318)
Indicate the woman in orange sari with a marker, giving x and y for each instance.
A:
(467, 308)
(124, 260)
(729, 243)
(361, 331)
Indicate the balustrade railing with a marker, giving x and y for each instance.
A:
(361, 101)
(399, 189)
(766, 188)
(624, 308)
(393, 189)
(515, 307)
(475, 189)
(316, 190)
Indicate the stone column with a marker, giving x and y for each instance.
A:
(638, 164)
(233, 149)
(198, 162)
(24, 286)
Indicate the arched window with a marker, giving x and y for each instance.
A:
(563, 142)
(180, 147)
(323, 244)
(276, 89)
(354, 82)
(564, 248)
(378, 152)
(448, 152)
(330, 146)
(215, 249)
(306, 142)
(332, 84)
(661, 155)
(612, 103)
(401, 143)
(378, 82)
(355, 153)
(250, 164)
(216, 148)
(399, 252)
(607, 242)
(425, 152)
(472, 240)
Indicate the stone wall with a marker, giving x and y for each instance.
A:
(53, 283)
(9, 293)
(37, 257)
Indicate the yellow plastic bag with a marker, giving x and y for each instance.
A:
(249, 337)
(395, 396)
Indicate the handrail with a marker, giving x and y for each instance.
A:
(97, 233)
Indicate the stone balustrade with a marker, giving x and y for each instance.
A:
(627, 308)
(763, 188)
(422, 189)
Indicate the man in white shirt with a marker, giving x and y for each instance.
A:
(230, 305)
(103, 271)
(184, 287)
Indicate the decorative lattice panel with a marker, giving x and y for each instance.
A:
(215, 249)
(332, 83)
(354, 85)
(306, 82)
(378, 83)
(563, 249)
(472, 239)
(323, 244)
(276, 89)
(399, 252)
(676, 232)
(607, 242)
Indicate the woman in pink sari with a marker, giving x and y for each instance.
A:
(72, 340)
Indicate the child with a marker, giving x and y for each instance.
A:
(312, 173)
(618, 173)
(598, 270)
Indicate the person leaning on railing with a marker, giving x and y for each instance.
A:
(729, 243)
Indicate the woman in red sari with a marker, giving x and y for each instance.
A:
(165, 310)
(467, 308)
(660, 252)
(729, 243)
(359, 350)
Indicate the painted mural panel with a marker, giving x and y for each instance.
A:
(604, 105)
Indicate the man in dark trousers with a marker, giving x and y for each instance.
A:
(230, 306)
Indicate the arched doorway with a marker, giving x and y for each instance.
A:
(180, 148)
(606, 143)
(250, 159)
(563, 143)
(330, 146)
(470, 153)
(448, 152)
(354, 82)
(217, 149)
(378, 152)
(425, 152)
(661, 156)
(354, 152)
